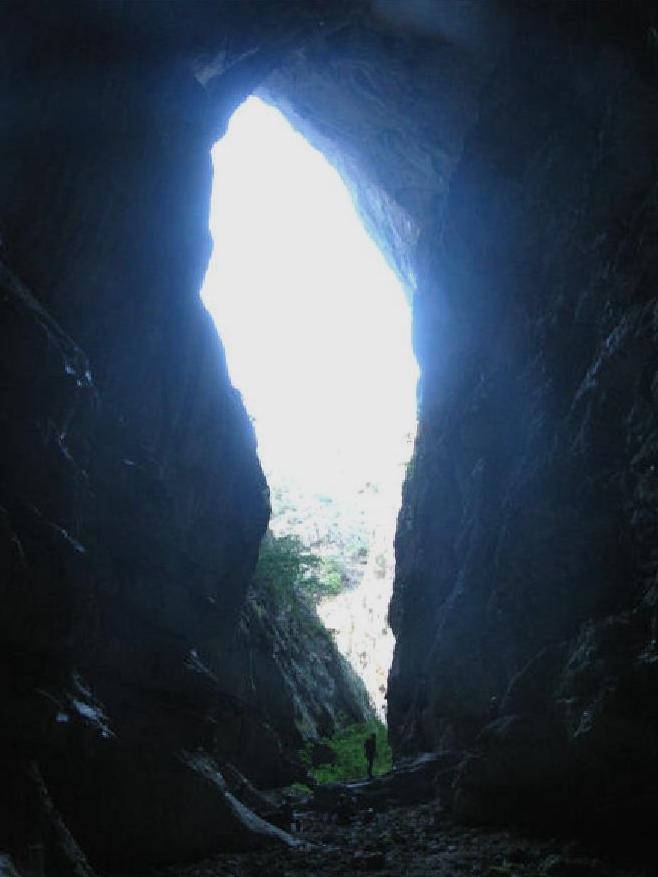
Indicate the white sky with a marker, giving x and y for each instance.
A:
(315, 324)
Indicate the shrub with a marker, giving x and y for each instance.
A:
(332, 577)
(287, 569)
(284, 564)
(350, 759)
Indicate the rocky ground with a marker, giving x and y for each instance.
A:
(414, 841)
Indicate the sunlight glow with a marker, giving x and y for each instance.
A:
(315, 324)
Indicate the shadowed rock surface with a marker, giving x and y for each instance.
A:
(133, 502)
(504, 156)
(416, 840)
(512, 180)
(285, 684)
(526, 542)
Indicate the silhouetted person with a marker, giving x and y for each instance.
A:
(344, 809)
(370, 749)
(286, 814)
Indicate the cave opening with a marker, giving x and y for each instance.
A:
(317, 332)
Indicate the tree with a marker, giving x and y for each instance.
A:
(287, 568)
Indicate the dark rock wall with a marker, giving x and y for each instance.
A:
(46, 392)
(132, 502)
(510, 173)
(526, 542)
(389, 110)
(287, 684)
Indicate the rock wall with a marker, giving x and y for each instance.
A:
(288, 685)
(526, 542)
(512, 181)
(132, 502)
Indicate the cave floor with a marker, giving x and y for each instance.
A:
(412, 841)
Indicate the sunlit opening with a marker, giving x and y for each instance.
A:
(318, 340)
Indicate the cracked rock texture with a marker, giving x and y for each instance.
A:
(132, 502)
(526, 542)
(513, 182)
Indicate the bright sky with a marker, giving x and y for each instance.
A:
(315, 324)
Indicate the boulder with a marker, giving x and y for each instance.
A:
(414, 781)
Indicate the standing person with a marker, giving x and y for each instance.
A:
(370, 749)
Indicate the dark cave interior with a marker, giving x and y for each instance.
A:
(503, 155)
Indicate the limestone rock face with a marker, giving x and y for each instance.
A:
(390, 112)
(287, 684)
(46, 395)
(132, 502)
(513, 183)
(526, 542)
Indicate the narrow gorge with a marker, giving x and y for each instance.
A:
(502, 153)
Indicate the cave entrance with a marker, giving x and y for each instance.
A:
(317, 332)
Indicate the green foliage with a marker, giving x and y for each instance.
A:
(351, 761)
(288, 570)
(337, 531)
(284, 565)
(332, 576)
(298, 789)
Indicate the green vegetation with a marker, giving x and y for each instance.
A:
(332, 575)
(298, 790)
(348, 746)
(284, 565)
(287, 570)
(336, 530)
